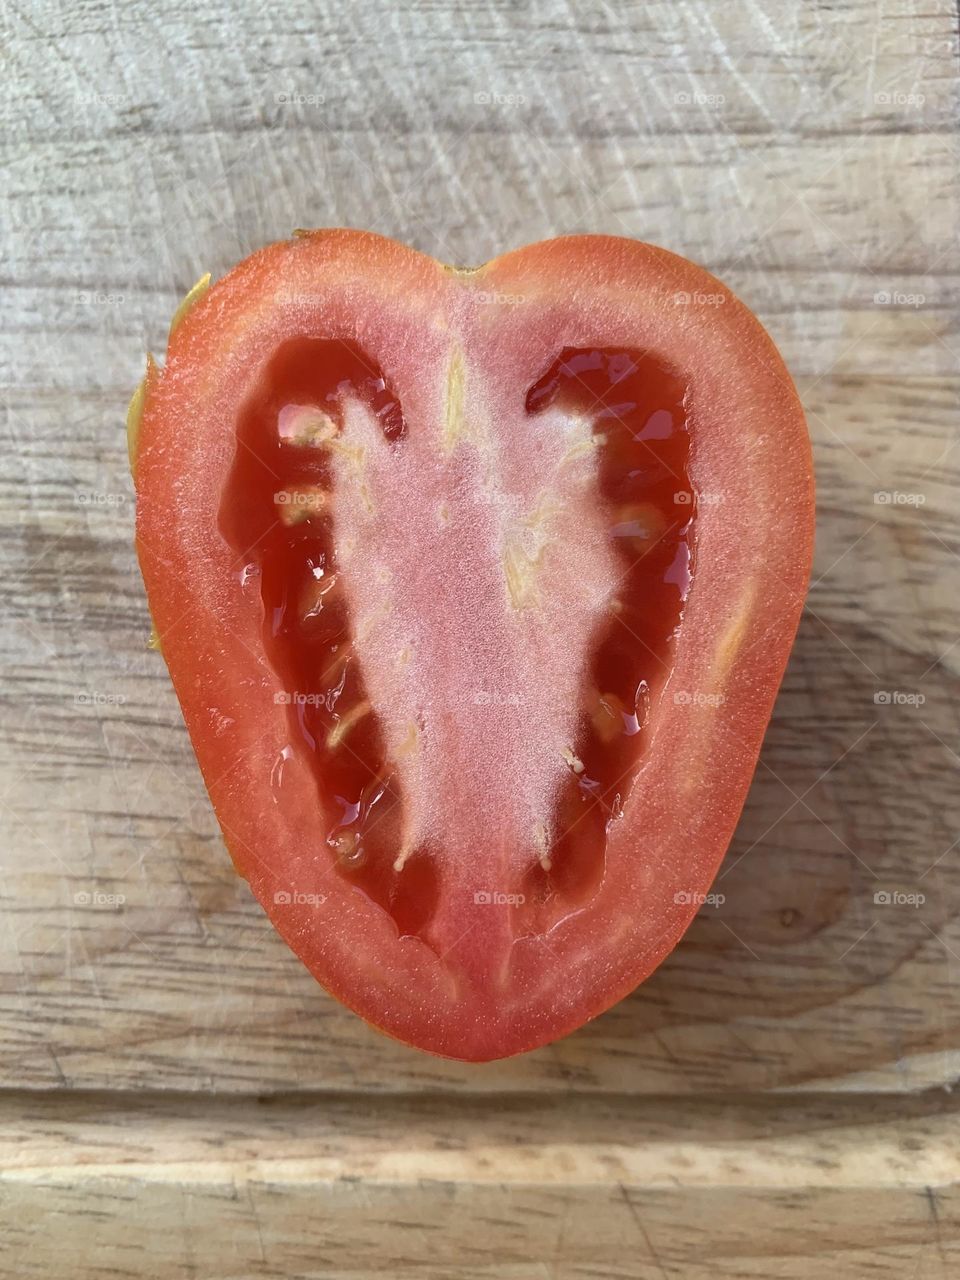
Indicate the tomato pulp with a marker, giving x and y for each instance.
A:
(457, 577)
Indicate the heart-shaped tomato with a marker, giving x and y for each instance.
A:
(476, 588)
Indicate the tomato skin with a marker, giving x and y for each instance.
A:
(490, 995)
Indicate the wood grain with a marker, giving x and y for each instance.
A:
(340, 1186)
(177, 1093)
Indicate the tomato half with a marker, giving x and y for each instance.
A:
(476, 588)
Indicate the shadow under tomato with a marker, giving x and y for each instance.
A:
(795, 925)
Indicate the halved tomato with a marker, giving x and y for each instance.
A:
(476, 588)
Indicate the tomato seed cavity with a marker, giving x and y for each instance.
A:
(275, 514)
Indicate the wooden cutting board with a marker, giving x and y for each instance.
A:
(178, 1097)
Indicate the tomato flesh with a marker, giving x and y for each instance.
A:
(455, 572)
(275, 516)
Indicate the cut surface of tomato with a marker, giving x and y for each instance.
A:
(476, 588)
